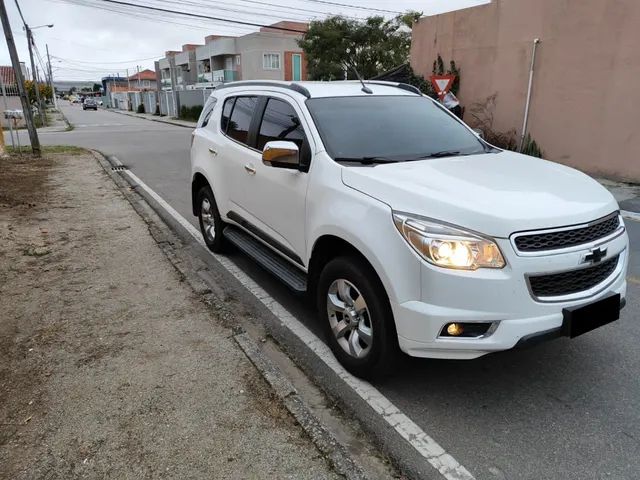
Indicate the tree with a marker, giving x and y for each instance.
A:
(371, 46)
(45, 91)
(97, 87)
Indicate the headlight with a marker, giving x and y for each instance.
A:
(448, 246)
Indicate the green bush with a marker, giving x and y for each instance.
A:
(190, 113)
(141, 108)
(530, 147)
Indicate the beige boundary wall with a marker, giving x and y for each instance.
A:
(585, 108)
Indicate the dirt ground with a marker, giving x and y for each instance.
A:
(110, 367)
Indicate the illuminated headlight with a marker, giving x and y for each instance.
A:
(448, 246)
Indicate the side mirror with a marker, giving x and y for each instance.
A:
(478, 132)
(281, 154)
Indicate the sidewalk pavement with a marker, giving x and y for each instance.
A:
(627, 194)
(110, 365)
(157, 118)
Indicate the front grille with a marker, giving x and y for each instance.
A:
(574, 281)
(538, 242)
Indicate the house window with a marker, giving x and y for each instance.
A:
(271, 61)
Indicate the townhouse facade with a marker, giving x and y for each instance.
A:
(269, 54)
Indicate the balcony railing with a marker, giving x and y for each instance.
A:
(205, 77)
(224, 75)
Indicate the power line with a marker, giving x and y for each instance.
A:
(124, 10)
(20, 12)
(359, 7)
(196, 15)
(105, 63)
(273, 14)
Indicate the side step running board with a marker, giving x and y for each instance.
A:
(291, 276)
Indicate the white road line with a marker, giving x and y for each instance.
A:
(448, 466)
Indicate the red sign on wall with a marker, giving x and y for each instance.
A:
(442, 84)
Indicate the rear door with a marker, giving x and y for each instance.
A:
(237, 154)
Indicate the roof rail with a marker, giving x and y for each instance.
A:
(410, 88)
(300, 89)
(251, 83)
(403, 86)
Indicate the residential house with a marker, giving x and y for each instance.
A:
(185, 73)
(269, 54)
(144, 80)
(584, 101)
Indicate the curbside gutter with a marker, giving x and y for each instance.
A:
(178, 123)
(334, 451)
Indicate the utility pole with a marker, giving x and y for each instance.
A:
(174, 80)
(15, 61)
(34, 72)
(53, 90)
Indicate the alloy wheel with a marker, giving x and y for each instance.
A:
(349, 318)
(208, 220)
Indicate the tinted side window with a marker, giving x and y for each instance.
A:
(226, 113)
(206, 113)
(280, 122)
(241, 118)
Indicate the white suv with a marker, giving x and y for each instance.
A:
(407, 229)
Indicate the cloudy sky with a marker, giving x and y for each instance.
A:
(93, 38)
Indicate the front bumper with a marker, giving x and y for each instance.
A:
(500, 296)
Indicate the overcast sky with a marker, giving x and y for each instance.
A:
(87, 43)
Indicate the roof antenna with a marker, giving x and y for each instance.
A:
(364, 88)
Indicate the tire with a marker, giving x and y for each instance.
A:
(211, 225)
(367, 345)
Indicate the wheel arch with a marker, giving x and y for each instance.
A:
(197, 182)
(327, 247)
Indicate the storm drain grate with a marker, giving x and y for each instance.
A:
(119, 168)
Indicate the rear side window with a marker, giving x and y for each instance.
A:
(226, 113)
(206, 113)
(280, 122)
(241, 116)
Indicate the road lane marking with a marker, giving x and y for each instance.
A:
(437, 456)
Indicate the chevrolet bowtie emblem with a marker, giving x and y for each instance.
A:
(595, 255)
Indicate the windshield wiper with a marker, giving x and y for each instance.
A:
(365, 160)
(443, 153)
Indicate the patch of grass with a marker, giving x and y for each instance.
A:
(34, 251)
(50, 149)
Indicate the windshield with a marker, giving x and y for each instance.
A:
(390, 128)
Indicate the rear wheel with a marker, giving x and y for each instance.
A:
(355, 311)
(211, 225)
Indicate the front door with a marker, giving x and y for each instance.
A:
(275, 198)
(296, 67)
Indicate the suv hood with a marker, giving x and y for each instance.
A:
(494, 193)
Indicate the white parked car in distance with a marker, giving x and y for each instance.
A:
(408, 231)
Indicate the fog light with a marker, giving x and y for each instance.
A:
(455, 329)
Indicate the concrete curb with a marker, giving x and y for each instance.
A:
(321, 437)
(333, 450)
(159, 120)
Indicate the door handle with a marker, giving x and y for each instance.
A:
(251, 170)
(212, 151)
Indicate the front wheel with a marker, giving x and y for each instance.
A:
(355, 311)
(211, 225)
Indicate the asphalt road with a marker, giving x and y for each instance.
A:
(567, 409)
